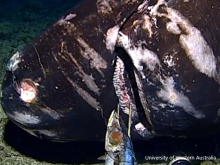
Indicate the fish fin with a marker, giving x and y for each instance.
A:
(103, 157)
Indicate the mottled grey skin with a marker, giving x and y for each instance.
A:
(73, 71)
(167, 70)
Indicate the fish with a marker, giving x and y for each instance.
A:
(118, 143)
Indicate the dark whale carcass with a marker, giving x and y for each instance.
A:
(159, 58)
(174, 46)
(60, 86)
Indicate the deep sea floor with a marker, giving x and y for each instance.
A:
(20, 22)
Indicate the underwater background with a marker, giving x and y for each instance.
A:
(20, 22)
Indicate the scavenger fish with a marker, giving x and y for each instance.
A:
(118, 143)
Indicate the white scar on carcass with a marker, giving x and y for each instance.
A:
(171, 95)
(111, 38)
(190, 38)
(33, 132)
(97, 61)
(49, 133)
(12, 64)
(30, 131)
(67, 18)
(139, 54)
(87, 79)
(143, 131)
(194, 44)
(24, 118)
(85, 95)
(169, 60)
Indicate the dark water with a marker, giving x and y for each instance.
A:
(88, 152)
